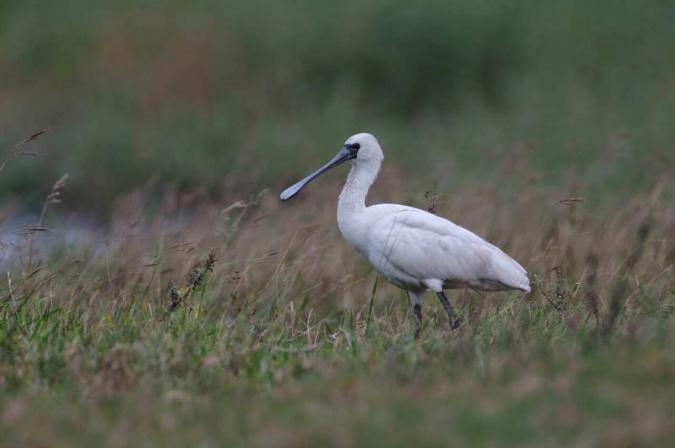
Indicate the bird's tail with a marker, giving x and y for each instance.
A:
(510, 272)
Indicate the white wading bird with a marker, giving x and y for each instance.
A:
(413, 249)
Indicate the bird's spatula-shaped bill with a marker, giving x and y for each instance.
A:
(345, 153)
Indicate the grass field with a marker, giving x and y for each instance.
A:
(290, 341)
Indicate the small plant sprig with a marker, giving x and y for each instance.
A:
(434, 198)
(197, 276)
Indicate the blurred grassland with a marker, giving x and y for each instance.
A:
(545, 127)
(237, 96)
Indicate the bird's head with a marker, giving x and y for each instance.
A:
(366, 149)
(362, 150)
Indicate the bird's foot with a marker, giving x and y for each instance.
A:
(455, 323)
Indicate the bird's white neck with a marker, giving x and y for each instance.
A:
(353, 197)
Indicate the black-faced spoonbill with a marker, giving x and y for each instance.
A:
(413, 249)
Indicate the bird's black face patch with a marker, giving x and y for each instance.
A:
(353, 149)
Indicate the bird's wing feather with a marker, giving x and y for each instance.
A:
(425, 246)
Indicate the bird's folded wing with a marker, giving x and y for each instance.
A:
(426, 246)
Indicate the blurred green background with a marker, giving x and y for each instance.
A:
(240, 96)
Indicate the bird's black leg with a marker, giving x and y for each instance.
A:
(416, 304)
(454, 320)
(417, 311)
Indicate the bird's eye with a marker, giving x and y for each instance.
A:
(356, 146)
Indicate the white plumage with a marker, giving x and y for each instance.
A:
(413, 249)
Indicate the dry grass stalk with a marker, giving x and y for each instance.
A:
(623, 287)
(17, 149)
(54, 197)
(592, 298)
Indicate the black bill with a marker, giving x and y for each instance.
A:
(346, 153)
